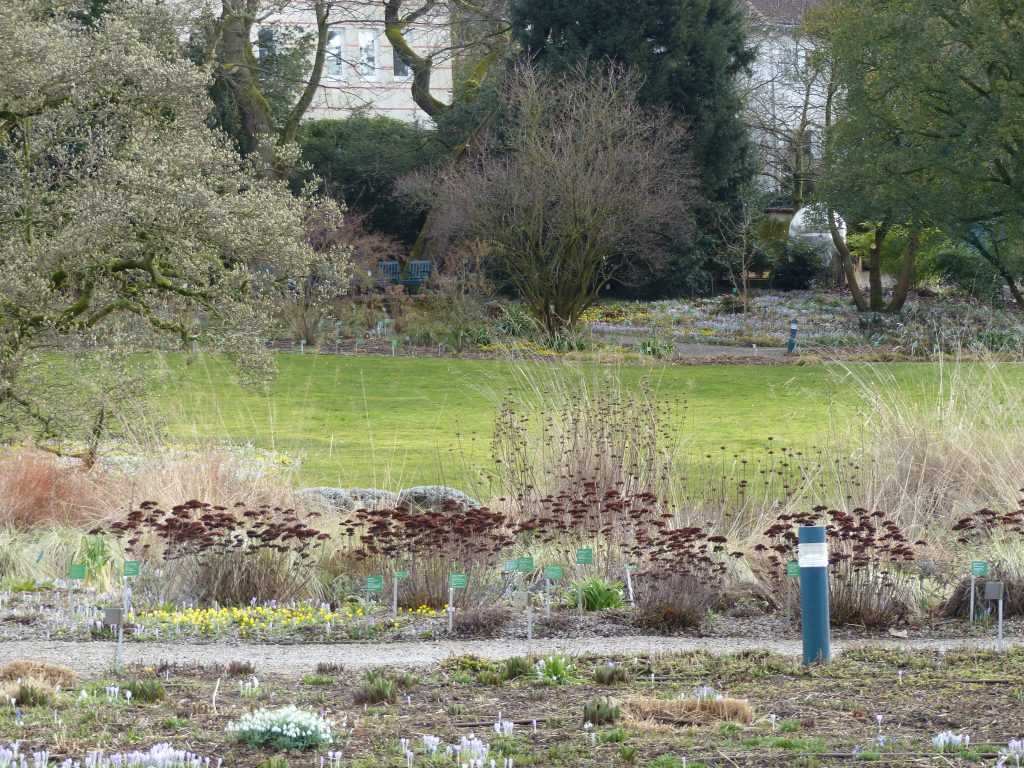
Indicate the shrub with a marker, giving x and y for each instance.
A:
(869, 583)
(145, 691)
(613, 736)
(360, 158)
(598, 594)
(241, 669)
(376, 688)
(602, 711)
(285, 728)
(517, 666)
(799, 267)
(485, 621)
(610, 674)
(228, 556)
(329, 668)
(672, 602)
(962, 268)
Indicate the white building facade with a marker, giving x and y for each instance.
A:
(362, 71)
(786, 96)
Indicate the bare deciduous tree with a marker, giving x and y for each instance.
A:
(583, 186)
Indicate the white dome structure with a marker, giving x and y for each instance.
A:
(810, 227)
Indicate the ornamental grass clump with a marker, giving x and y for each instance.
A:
(285, 728)
(598, 594)
(27, 692)
(376, 688)
(515, 667)
(610, 674)
(602, 711)
(145, 691)
(53, 674)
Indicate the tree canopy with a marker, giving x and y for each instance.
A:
(121, 213)
(928, 98)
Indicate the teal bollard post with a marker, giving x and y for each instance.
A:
(813, 558)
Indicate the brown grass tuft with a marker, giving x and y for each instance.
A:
(687, 712)
(52, 674)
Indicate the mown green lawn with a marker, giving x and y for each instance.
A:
(397, 422)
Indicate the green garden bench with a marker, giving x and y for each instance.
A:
(412, 277)
(388, 272)
(416, 274)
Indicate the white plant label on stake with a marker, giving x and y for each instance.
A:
(814, 555)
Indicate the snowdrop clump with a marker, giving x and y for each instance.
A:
(948, 740)
(285, 728)
(157, 756)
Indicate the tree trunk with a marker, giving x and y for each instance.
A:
(847, 261)
(875, 268)
(899, 293)
(291, 127)
(422, 66)
(997, 262)
(241, 73)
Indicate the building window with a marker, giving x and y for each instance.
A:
(402, 70)
(266, 45)
(366, 66)
(335, 64)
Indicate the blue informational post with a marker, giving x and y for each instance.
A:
(813, 559)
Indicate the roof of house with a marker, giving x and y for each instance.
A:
(781, 11)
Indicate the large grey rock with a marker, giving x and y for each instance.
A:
(348, 499)
(434, 496)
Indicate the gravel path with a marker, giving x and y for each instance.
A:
(95, 658)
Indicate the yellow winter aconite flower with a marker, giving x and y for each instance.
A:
(206, 621)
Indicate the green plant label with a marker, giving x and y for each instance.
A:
(39, 557)
(401, 575)
(524, 564)
(457, 580)
(793, 569)
(131, 567)
(585, 556)
(374, 583)
(77, 572)
(553, 572)
(979, 568)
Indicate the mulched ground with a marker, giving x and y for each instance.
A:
(882, 706)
